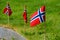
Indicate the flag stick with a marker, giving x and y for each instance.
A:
(45, 28)
(8, 14)
(24, 20)
(44, 23)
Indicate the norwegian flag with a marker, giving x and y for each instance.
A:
(38, 17)
(25, 16)
(7, 10)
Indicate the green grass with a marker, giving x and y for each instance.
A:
(35, 33)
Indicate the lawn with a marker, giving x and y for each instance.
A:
(36, 33)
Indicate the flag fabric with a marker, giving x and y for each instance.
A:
(25, 16)
(7, 10)
(38, 17)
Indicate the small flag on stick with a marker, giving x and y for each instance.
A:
(7, 10)
(25, 14)
(38, 17)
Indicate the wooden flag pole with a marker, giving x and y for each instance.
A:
(44, 24)
(24, 20)
(8, 14)
(45, 27)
